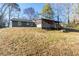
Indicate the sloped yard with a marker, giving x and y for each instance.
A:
(34, 41)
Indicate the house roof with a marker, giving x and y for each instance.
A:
(24, 20)
(50, 21)
(36, 21)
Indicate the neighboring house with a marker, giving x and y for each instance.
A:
(39, 23)
(22, 23)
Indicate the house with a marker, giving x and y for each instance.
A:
(47, 24)
(22, 23)
(39, 23)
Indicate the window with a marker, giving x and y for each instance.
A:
(31, 24)
(19, 23)
(27, 23)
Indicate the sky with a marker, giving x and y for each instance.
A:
(37, 7)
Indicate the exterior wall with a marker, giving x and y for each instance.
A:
(39, 25)
(23, 24)
(45, 25)
(48, 26)
(14, 23)
(10, 24)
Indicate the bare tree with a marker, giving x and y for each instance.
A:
(68, 12)
(10, 7)
(29, 12)
(74, 11)
(58, 11)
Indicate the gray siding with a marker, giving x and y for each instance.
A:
(48, 26)
(14, 23)
(23, 24)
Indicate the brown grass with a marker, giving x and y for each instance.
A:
(33, 41)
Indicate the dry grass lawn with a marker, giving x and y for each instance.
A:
(34, 41)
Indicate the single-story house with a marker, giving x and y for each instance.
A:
(22, 23)
(39, 23)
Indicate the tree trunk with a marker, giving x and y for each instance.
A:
(58, 21)
(9, 15)
(68, 19)
(2, 15)
(68, 16)
(18, 15)
(30, 17)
